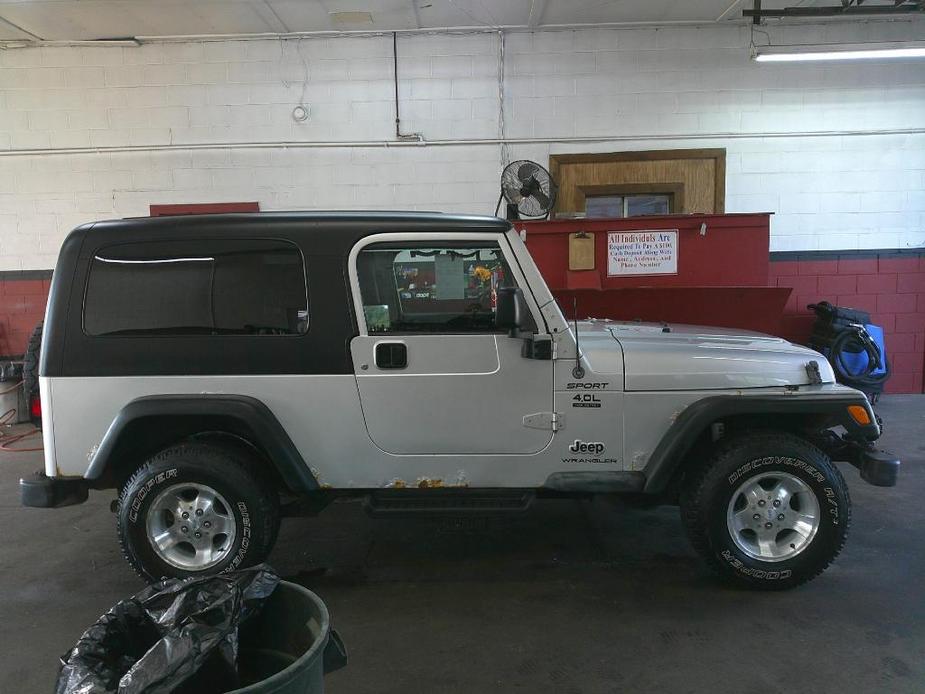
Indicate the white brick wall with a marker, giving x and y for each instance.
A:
(643, 88)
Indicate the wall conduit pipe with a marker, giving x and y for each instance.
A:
(491, 141)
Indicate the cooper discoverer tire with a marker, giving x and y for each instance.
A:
(196, 509)
(769, 510)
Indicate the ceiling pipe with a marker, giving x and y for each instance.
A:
(900, 7)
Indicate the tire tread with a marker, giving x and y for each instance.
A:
(693, 513)
(268, 503)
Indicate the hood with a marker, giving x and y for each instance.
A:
(688, 357)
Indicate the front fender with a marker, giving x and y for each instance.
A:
(697, 417)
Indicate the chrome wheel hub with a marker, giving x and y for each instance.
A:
(191, 526)
(773, 516)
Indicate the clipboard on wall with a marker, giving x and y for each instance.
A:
(581, 251)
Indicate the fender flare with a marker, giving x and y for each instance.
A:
(249, 417)
(693, 421)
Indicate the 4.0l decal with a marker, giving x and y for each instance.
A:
(585, 400)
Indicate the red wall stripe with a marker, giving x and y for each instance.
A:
(22, 305)
(891, 288)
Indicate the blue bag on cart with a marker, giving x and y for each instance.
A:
(854, 346)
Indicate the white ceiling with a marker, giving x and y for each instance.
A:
(74, 20)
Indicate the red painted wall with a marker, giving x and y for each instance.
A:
(22, 305)
(891, 287)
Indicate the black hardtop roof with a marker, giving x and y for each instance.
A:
(321, 233)
(359, 223)
(325, 239)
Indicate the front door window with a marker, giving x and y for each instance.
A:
(431, 288)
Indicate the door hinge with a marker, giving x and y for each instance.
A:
(544, 420)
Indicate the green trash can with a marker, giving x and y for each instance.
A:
(290, 646)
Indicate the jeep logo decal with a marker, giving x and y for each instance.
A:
(595, 447)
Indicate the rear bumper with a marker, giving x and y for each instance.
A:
(40, 491)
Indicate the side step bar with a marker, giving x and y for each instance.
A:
(399, 502)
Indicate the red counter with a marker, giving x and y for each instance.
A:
(721, 273)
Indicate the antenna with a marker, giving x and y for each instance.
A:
(577, 372)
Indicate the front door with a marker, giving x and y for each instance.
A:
(434, 373)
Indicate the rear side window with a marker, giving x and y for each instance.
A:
(230, 287)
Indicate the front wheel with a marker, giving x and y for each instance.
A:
(195, 509)
(769, 510)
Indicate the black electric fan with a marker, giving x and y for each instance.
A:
(529, 189)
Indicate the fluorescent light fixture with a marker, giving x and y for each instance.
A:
(106, 43)
(855, 51)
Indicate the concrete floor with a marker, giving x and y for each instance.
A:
(571, 597)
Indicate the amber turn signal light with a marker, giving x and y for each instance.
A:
(859, 414)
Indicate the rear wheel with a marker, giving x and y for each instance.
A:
(769, 510)
(195, 509)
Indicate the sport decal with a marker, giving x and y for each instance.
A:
(587, 386)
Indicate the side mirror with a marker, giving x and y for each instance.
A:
(508, 311)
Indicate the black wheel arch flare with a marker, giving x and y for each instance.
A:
(148, 424)
(700, 415)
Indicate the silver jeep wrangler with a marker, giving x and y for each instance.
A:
(223, 371)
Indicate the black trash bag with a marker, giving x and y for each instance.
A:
(179, 635)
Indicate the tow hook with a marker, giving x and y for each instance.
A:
(877, 467)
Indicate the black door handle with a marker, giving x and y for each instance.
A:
(391, 355)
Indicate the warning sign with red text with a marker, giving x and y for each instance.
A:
(652, 252)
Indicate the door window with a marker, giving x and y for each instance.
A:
(431, 288)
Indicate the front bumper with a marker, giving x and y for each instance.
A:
(877, 467)
(40, 491)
